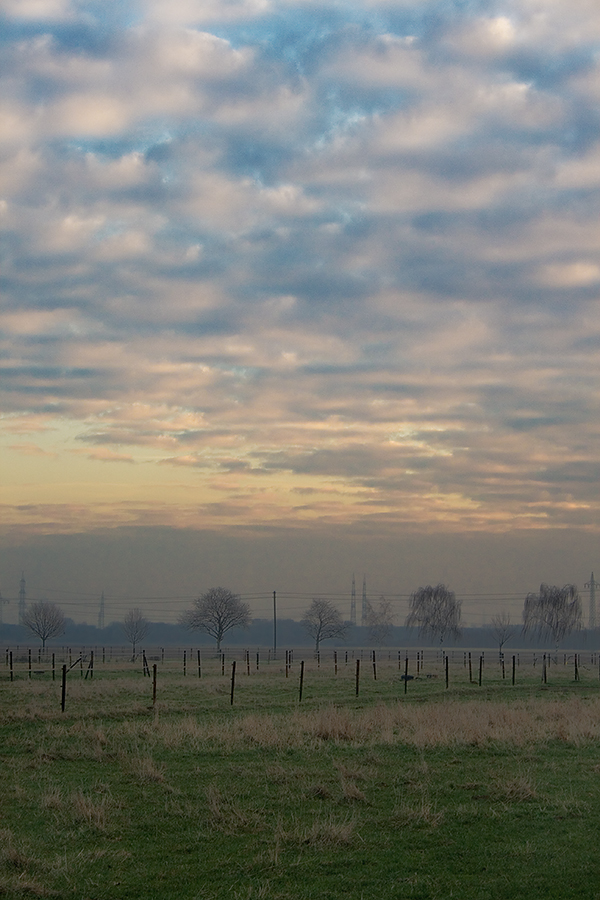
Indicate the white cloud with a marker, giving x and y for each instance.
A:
(36, 9)
(271, 255)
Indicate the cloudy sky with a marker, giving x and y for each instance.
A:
(295, 288)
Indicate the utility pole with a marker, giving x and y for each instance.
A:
(592, 584)
(101, 612)
(363, 620)
(22, 601)
(353, 601)
(274, 624)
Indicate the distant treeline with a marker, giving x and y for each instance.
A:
(289, 634)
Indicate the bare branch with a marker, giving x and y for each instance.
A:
(435, 611)
(216, 612)
(322, 620)
(501, 629)
(555, 612)
(45, 620)
(135, 627)
(380, 621)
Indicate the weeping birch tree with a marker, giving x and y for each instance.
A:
(552, 613)
(436, 612)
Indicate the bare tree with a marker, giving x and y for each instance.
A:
(553, 613)
(436, 612)
(135, 627)
(379, 621)
(323, 620)
(216, 612)
(44, 619)
(501, 629)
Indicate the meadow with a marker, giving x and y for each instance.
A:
(466, 791)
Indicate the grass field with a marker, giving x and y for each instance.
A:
(465, 792)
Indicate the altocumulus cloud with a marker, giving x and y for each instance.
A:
(275, 250)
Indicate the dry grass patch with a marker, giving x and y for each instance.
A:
(323, 832)
(142, 769)
(515, 790)
(226, 815)
(79, 807)
(421, 813)
(451, 723)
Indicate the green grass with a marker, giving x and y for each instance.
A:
(470, 792)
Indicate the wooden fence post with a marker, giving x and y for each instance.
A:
(470, 669)
(335, 662)
(30, 663)
(199, 665)
(154, 685)
(64, 687)
(357, 674)
(374, 667)
(232, 680)
(11, 667)
(514, 668)
(406, 674)
(446, 671)
(301, 681)
(480, 669)
(185, 662)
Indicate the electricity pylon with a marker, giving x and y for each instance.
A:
(592, 584)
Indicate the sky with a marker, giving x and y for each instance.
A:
(292, 290)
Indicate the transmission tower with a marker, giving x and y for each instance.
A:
(353, 602)
(363, 620)
(592, 584)
(22, 601)
(101, 612)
